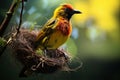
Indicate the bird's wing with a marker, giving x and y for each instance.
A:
(50, 24)
(47, 30)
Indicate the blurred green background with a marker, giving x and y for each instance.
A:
(95, 39)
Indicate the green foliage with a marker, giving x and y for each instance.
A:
(2, 42)
(32, 27)
(39, 52)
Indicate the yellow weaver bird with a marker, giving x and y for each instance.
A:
(58, 29)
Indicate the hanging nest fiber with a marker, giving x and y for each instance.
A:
(24, 51)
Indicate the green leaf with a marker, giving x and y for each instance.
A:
(2, 42)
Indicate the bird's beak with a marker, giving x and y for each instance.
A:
(77, 12)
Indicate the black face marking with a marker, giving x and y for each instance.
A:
(69, 13)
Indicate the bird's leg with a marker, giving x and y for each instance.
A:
(45, 51)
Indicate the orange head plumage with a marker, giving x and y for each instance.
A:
(66, 11)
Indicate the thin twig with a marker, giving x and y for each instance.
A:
(21, 13)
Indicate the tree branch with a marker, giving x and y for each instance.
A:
(8, 17)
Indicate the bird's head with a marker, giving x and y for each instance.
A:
(65, 11)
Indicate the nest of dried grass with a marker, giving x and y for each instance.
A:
(24, 51)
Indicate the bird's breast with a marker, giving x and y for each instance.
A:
(60, 35)
(56, 39)
(64, 27)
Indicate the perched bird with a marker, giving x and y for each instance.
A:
(58, 29)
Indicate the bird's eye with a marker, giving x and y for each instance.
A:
(66, 9)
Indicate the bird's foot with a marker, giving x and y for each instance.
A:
(45, 52)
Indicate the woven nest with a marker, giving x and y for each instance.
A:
(23, 46)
